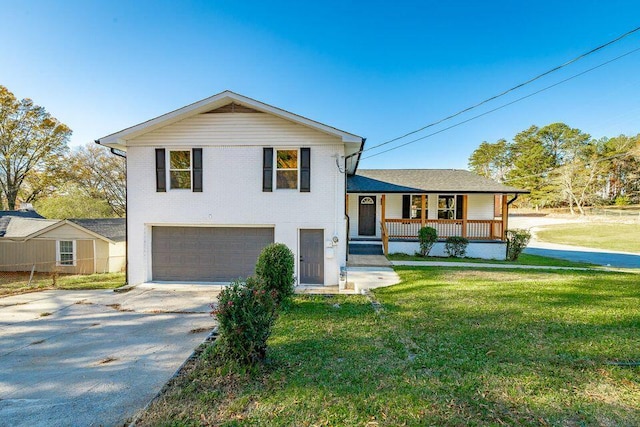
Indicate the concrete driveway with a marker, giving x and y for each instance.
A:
(91, 358)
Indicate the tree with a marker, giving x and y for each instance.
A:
(100, 175)
(578, 178)
(531, 162)
(562, 141)
(491, 160)
(621, 162)
(73, 203)
(30, 141)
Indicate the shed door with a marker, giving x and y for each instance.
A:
(312, 257)
(206, 254)
(367, 216)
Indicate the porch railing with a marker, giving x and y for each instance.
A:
(472, 229)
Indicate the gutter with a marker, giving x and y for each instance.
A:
(119, 153)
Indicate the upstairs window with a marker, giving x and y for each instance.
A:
(287, 169)
(446, 207)
(180, 169)
(66, 252)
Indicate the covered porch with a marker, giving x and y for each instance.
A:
(377, 217)
(388, 208)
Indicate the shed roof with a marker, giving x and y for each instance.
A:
(20, 228)
(424, 181)
(112, 228)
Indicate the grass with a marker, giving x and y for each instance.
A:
(17, 282)
(612, 236)
(523, 259)
(450, 347)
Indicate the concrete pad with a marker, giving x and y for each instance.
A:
(371, 277)
(368, 261)
(99, 356)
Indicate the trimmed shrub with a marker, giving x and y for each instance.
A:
(275, 270)
(428, 237)
(245, 312)
(517, 240)
(622, 201)
(456, 246)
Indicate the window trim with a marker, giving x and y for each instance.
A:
(276, 169)
(419, 207)
(170, 169)
(452, 208)
(59, 254)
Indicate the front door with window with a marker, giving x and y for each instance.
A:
(312, 257)
(367, 216)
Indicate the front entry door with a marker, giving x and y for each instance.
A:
(312, 257)
(367, 216)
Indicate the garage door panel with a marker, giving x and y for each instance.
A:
(206, 254)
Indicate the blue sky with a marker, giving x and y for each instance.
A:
(377, 69)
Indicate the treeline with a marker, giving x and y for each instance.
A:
(564, 166)
(38, 167)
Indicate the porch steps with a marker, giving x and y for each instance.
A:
(365, 247)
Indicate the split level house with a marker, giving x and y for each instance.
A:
(211, 184)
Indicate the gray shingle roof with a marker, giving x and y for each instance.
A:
(424, 181)
(111, 228)
(22, 213)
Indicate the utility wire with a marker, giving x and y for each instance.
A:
(531, 80)
(501, 106)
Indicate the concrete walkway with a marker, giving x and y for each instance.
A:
(94, 358)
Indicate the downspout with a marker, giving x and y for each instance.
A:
(357, 153)
(126, 211)
(512, 200)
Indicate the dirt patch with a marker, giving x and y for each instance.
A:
(107, 360)
(118, 307)
(45, 314)
(37, 342)
(83, 302)
(198, 330)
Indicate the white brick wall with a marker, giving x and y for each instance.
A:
(232, 185)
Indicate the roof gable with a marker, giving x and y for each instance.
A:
(220, 103)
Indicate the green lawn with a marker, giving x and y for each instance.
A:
(450, 347)
(523, 259)
(16, 283)
(618, 237)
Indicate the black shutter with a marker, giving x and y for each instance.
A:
(197, 170)
(406, 206)
(267, 169)
(459, 206)
(305, 170)
(161, 170)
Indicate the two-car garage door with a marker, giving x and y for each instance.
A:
(206, 254)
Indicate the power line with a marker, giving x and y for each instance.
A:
(501, 106)
(531, 80)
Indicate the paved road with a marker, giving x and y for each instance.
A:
(581, 254)
(89, 358)
(571, 253)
